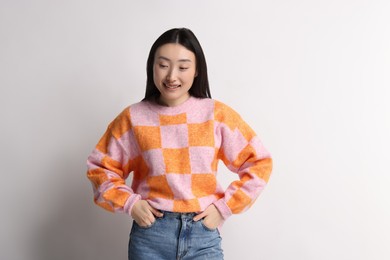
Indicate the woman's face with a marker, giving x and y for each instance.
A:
(174, 71)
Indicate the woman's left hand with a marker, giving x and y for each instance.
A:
(212, 217)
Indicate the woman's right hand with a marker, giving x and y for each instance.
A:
(144, 214)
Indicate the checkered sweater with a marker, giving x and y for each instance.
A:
(173, 154)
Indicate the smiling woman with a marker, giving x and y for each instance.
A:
(172, 142)
(187, 43)
(174, 73)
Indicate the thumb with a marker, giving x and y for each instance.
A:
(199, 216)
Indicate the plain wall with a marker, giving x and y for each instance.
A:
(310, 77)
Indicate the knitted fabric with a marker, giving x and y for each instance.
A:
(173, 153)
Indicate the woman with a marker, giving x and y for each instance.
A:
(172, 141)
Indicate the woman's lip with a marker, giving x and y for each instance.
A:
(171, 86)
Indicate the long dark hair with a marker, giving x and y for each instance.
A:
(185, 37)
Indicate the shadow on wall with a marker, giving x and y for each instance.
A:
(73, 226)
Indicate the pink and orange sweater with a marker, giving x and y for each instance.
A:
(173, 154)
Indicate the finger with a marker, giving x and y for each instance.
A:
(148, 223)
(200, 216)
(151, 219)
(147, 219)
(149, 215)
(156, 212)
(143, 222)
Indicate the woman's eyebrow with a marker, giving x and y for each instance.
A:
(181, 60)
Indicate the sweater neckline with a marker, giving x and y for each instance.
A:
(181, 108)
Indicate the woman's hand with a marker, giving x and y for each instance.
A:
(144, 214)
(212, 217)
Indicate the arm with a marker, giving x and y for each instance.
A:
(110, 164)
(243, 153)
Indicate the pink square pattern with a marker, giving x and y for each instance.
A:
(174, 136)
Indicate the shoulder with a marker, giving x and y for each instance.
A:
(227, 116)
(223, 112)
(138, 105)
(202, 103)
(124, 117)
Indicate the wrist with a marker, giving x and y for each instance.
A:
(223, 209)
(135, 198)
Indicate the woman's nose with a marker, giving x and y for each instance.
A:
(171, 76)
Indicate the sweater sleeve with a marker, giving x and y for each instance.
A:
(110, 163)
(243, 153)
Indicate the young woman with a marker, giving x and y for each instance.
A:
(171, 142)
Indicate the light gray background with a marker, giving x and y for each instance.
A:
(311, 77)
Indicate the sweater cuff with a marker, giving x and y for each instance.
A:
(223, 208)
(130, 203)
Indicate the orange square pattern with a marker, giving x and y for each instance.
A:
(97, 176)
(262, 169)
(148, 137)
(226, 115)
(177, 160)
(116, 129)
(117, 196)
(173, 120)
(103, 143)
(238, 202)
(248, 154)
(121, 124)
(112, 165)
(244, 178)
(201, 134)
(203, 184)
(140, 168)
(246, 131)
(221, 155)
(159, 187)
(186, 205)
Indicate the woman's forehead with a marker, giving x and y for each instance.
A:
(174, 52)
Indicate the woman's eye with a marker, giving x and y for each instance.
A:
(162, 66)
(182, 68)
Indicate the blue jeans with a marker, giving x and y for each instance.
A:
(175, 236)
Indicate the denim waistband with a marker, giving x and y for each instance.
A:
(179, 215)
